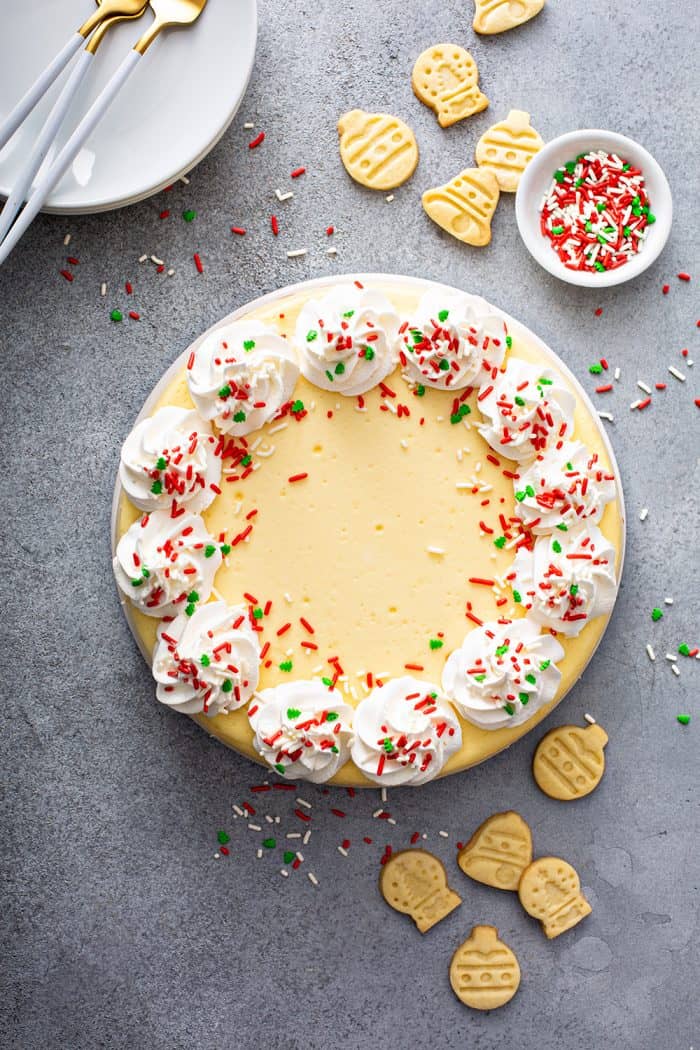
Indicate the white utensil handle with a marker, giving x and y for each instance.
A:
(39, 88)
(48, 180)
(43, 143)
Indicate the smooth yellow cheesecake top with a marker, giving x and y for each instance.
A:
(375, 548)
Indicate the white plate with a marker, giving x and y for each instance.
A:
(169, 115)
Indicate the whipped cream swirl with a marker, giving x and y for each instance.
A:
(454, 340)
(166, 564)
(527, 411)
(562, 487)
(302, 730)
(207, 662)
(405, 731)
(241, 376)
(170, 456)
(567, 579)
(503, 673)
(347, 341)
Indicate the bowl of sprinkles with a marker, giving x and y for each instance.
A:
(594, 208)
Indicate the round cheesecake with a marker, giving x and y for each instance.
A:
(367, 531)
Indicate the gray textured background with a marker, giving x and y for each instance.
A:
(119, 928)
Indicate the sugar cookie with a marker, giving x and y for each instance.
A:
(498, 852)
(445, 77)
(550, 891)
(507, 148)
(465, 205)
(496, 16)
(569, 761)
(484, 972)
(378, 150)
(415, 882)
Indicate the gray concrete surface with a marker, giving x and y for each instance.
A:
(119, 928)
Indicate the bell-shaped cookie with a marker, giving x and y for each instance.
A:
(465, 205)
(569, 761)
(446, 79)
(507, 148)
(484, 972)
(378, 150)
(496, 16)
(498, 852)
(550, 891)
(415, 882)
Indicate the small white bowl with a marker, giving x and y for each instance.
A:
(537, 178)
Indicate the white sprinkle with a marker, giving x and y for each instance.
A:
(142, 258)
(643, 386)
(444, 834)
(297, 253)
(284, 873)
(435, 550)
(269, 819)
(617, 374)
(676, 374)
(425, 835)
(668, 601)
(66, 240)
(643, 514)
(283, 196)
(103, 288)
(390, 820)
(293, 835)
(183, 178)
(403, 443)
(217, 594)
(288, 598)
(300, 857)
(258, 853)
(590, 719)
(390, 198)
(383, 794)
(238, 811)
(331, 251)
(460, 455)
(650, 652)
(217, 856)
(312, 878)
(249, 125)
(377, 812)
(671, 657)
(255, 827)
(307, 836)
(676, 671)
(277, 428)
(635, 404)
(157, 261)
(341, 850)
(171, 271)
(278, 820)
(303, 802)
(464, 485)
(607, 415)
(689, 363)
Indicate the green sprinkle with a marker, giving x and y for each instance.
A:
(573, 590)
(193, 596)
(456, 417)
(517, 597)
(420, 390)
(248, 344)
(137, 583)
(190, 609)
(328, 682)
(570, 166)
(417, 336)
(626, 167)
(519, 400)
(500, 542)
(117, 315)
(598, 266)
(329, 376)
(369, 353)
(335, 750)
(578, 182)
(542, 381)
(239, 417)
(145, 573)
(509, 709)
(562, 527)
(556, 546)
(157, 488)
(227, 686)
(387, 745)
(246, 461)
(161, 463)
(529, 491)
(656, 615)
(683, 719)
(559, 176)
(501, 650)
(436, 643)
(311, 335)
(257, 613)
(600, 206)
(209, 550)
(286, 665)
(556, 230)
(223, 838)
(348, 313)
(601, 239)
(189, 215)
(331, 716)
(509, 341)
(444, 365)
(269, 843)
(288, 856)
(684, 649)
(520, 496)
(544, 665)
(443, 315)
(651, 219)
(339, 368)
(225, 391)
(225, 548)
(589, 226)
(531, 679)
(280, 767)
(293, 713)
(204, 660)
(523, 698)
(479, 677)
(297, 406)
(595, 370)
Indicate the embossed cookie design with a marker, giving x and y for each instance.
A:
(507, 148)
(465, 205)
(496, 16)
(378, 150)
(498, 852)
(550, 891)
(484, 972)
(445, 77)
(414, 882)
(569, 761)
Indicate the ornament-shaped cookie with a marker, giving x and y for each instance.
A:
(507, 148)
(446, 79)
(550, 891)
(569, 761)
(484, 972)
(378, 150)
(415, 882)
(496, 16)
(498, 852)
(465, 205)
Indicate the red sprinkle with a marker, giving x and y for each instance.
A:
(67, 274)
(599, 311)
(297, 477)
(134, 316)
(274, 224)
(198, 262)
(239, 230)
(604, 388)
(644, 403)
(666, 289)
(128, 288)
(330, 231)
(257, 140)
(683, 276)
(164, 214)
(297, 172)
